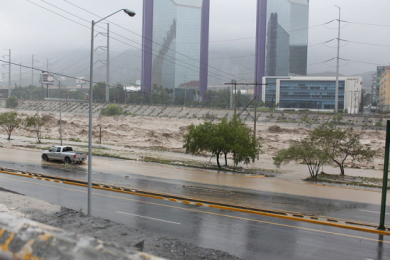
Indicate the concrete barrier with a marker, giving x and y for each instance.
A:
(24, 239)
(362, 122)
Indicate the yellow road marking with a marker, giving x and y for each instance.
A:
(223, 215)
(294, 217)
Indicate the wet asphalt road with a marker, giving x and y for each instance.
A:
(350, 210)
(241, 234)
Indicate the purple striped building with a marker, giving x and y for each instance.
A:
(175, 44)
(281, 39)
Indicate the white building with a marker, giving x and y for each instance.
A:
(312, 93)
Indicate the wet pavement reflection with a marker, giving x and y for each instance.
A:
(211, 185)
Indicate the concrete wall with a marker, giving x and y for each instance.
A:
(23, 239)
(292, 118)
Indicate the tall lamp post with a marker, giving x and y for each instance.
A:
(90, 109)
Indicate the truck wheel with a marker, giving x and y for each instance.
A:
(67, 160)
(79, 162)
(44, 157)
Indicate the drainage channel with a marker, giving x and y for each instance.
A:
(348, 224)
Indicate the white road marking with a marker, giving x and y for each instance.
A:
(147, 217)
(373, 211)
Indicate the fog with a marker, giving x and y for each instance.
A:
(52, 29)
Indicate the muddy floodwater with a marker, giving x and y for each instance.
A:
(133, 136)
(128, 173)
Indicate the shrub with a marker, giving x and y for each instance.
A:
(111, 110)
(12, 102)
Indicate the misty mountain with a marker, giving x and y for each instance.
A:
(367, 77)
(225, 65)
(125, 67)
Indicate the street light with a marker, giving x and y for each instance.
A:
(90, 109)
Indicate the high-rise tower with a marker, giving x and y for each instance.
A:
(281, 39)
(175, 43)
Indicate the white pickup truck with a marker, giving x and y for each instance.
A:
(63, 153)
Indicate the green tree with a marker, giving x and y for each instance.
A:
(137, 98)
(198, 138)
(12, 102)
(117, 93)
(35, 123)
(9, 121)
(306, 150)
(221, 139)
(224, 136)
(339, 144)
(244, 146)
(99, 92)
(160, 95)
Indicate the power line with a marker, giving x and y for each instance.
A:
(366, 43)
(205, 64)
(42, 70)
(363, 62)
(230, 74)
(382, 25)
(118, 35)
(58, 14)
(217, 75)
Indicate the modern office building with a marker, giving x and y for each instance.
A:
(175, 43)
(281, 39)
(384, 91)
(379, 72)
(312, 93)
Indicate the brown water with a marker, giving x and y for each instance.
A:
(288, 183)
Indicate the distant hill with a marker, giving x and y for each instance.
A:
(367, 77)
(125, 67)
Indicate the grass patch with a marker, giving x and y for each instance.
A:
(350, 180)
(202, 165)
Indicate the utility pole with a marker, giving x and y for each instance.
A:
(61, 129)
(32, 69)
(255, 100)
(234, 100)
(107, 73)
(337, 66)
(47, 83)
(9, 91)
(20, 75)
(9, 72)
(385, 177)
(107, 83)
(32, 77)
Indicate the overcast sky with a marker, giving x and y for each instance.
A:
(26, 29)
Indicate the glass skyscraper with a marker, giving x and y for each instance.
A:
(175, 44)
(281, 39)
